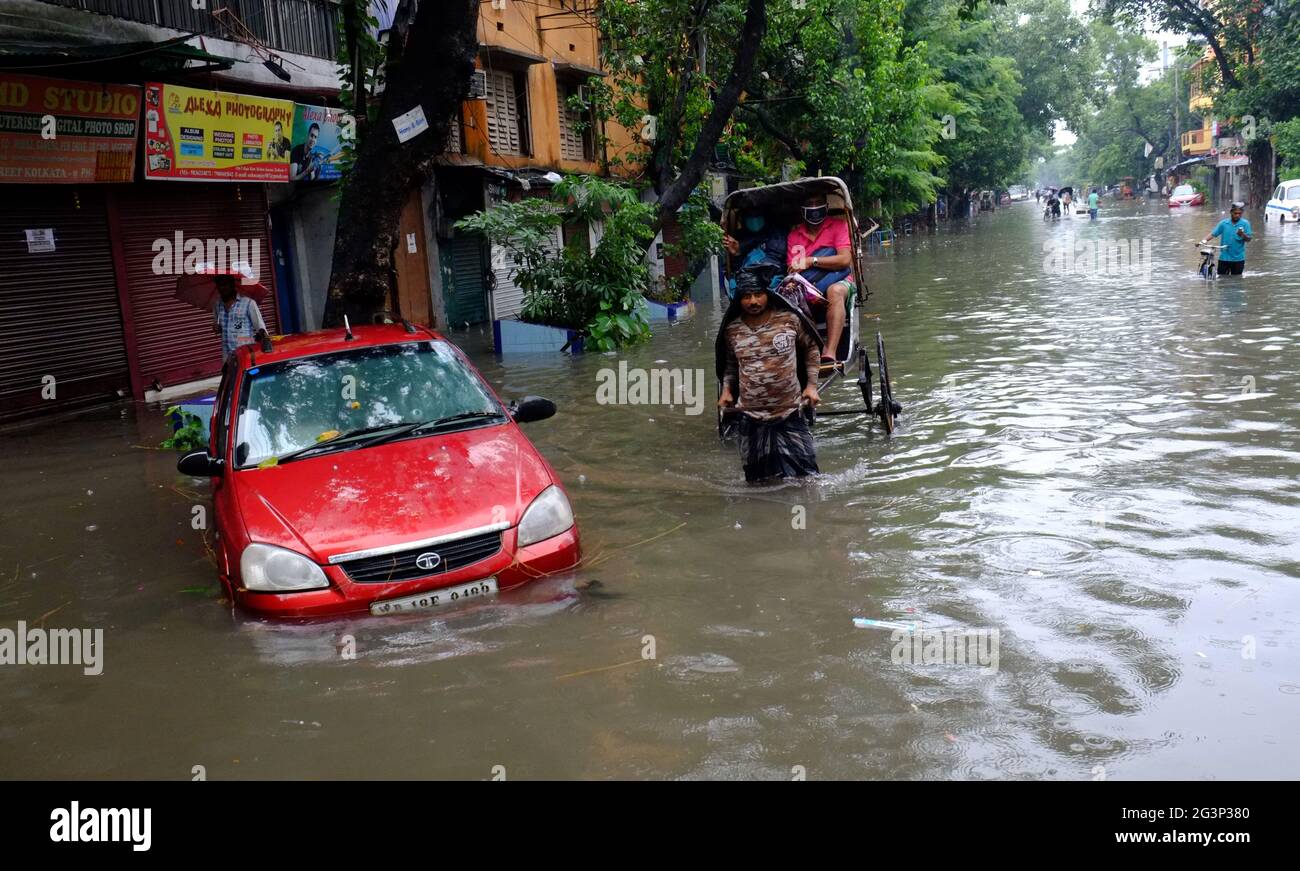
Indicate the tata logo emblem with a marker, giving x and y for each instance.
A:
(428, 561)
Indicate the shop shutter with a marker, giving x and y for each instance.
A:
(502, 113)
(59, 312)
(467, 302)
(175, 341)
(507, 295)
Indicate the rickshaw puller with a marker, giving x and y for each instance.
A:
(768, 354)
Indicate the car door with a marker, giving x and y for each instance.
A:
(223, 502)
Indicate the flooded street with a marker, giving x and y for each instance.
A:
(1102, 468)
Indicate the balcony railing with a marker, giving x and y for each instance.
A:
(1196, 141)
(298, 26)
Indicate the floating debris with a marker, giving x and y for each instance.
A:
(868, 623)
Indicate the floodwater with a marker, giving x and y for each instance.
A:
(1101, 468)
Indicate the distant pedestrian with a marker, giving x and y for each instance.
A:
(1093, 200)
(1235, 233)
(236, 319)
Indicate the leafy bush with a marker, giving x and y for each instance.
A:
(598, 294)
(191, 436)
(699, 237)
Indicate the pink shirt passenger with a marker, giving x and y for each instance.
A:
(833, 233)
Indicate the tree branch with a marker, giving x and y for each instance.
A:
(765, 121)
(724, 104)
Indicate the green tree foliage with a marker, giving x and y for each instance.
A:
(599, 293)
(842, 93)
(1286, 139)
(1129, 113)
(1055, 54)
(983, 85)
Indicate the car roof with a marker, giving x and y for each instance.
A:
(329, 341)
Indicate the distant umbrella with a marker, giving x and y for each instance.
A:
(200, 288)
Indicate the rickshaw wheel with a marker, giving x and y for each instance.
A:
(886, 407)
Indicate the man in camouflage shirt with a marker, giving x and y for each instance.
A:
(772, 356)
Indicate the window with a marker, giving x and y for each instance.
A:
(507, 112)
(1293, 193)
(575, 127)
(454, 141)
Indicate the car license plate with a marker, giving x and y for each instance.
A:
(436, 598)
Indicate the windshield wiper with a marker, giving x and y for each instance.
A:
(457, 418)
(387, 432)
(346, 439)
(430, 425)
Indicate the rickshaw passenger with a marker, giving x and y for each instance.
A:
(820, 250)
(757, 244)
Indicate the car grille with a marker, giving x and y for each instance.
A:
(401, 566)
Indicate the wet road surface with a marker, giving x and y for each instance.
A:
(1102, 468)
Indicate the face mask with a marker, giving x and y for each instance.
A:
(754, 223)
(814, 214)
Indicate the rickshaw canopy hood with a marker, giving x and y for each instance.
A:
(786, 192)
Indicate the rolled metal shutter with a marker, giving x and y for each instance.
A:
(59, 312)
(467, 303)
(175, 342)
(507, 295)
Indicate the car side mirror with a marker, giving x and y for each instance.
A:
(200, 464)
(531, 408)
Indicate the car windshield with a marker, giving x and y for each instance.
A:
(1184, 190)
(1293, 192)
(296, 404)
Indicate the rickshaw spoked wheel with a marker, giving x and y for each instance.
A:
(887, 406)
(864, 378)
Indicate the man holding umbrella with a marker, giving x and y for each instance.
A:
(237, 319)
(232, 295)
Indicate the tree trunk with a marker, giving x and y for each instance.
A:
(675, 194)
(441, 44)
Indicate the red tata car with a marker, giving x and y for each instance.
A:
(1186, 195)
(375, 469)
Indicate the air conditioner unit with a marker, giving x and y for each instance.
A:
(478, 85)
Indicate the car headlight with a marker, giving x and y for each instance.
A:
(270, 569)
(1295, 213)
(548, 516)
